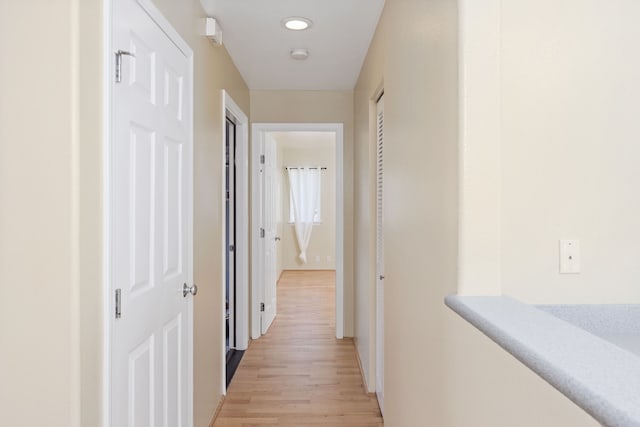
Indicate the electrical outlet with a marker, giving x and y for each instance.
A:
(569, 256)
(328, 258)
(317, 258)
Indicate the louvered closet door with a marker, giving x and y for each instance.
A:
(380, 256)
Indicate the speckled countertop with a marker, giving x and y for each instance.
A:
(599, 376)
(617, 323)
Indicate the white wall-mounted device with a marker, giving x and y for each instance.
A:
(569, 256)
(212, 30)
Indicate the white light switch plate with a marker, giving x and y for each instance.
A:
(569, 256)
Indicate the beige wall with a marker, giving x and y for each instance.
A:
(439, 370)
(487, 387)
(89, 296)
(420, 83)
(309, 149)
(36, 146)
(415, 53)
(319, 107)
(51, 215)
(479, 171)
(549, 150)
(570, 149)
(369, 86)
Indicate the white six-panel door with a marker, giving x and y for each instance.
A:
(270, 224)
(150, 237)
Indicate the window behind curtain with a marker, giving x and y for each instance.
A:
(317, 217)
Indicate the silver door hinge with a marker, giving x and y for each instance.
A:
(261, 306)
(118, 303)
(119, 54)
(262, 159)
(262, 232)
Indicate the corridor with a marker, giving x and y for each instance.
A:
(299, 374)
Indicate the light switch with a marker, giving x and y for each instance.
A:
(569, 256)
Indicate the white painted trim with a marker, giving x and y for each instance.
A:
(107, 60)
(242, 225)
(257, 134)
(339, 232)
(190, 222)
(257, 142)
(154, 13)
(157, 16)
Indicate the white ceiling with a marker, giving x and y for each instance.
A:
(260, 46)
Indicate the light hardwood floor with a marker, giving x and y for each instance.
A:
(299, 374)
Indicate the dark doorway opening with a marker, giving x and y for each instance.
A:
(233, 360)
(233, 356)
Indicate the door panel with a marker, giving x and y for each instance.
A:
(142, 171)
(380, 255)
(142, 71)
(141, 384)
(171, 372)
(150, 212)
(173, 92)
(173, 223)
(270, 226)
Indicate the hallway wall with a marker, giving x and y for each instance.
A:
(319, 107)
(439, 370)
(50, 215)
(369, 85)
(415, 53)
(549, 150)
(570, 149)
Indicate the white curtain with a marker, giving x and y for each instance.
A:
(305, 196)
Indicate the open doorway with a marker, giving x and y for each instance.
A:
(233, 354)
(281, 153)
(309, 158)
(235, 245)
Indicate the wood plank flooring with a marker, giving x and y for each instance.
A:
(299, 374)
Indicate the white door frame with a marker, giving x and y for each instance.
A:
(242, 226)
(107, 300)
(257, 134)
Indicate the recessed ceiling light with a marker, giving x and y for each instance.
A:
(299, 54)
(296, 23)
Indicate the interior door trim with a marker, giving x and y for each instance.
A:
(229, 106)
(257, 134)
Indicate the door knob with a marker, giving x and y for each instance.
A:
(381, 277)
(186, 289)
